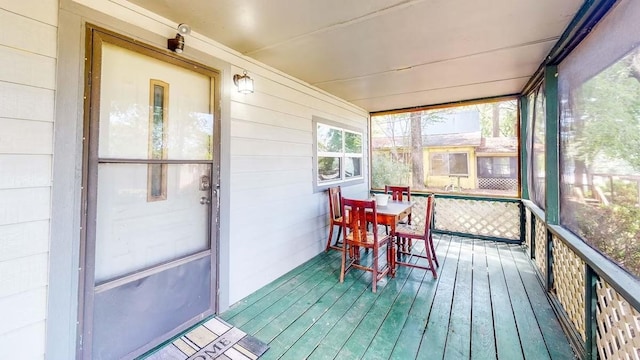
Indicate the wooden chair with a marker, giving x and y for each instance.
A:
(398, 194)
(408, 231)
(356, 236)
(335, 216)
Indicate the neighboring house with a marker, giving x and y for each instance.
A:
(455, 152)
(497, 163)
(449, 158)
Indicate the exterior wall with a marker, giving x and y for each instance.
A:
(28, 52)
(441, 181)
(277, 221)
(270, 218)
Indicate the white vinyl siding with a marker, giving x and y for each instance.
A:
(277, 221)
(28, 47)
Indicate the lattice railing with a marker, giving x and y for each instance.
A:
(498, 219)
(604, 321)
(418, 211)
(498, 183)
(568, 282)
(618, 325)
(541, 246)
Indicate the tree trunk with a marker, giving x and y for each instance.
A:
(496, 120)
(579, 171)
(417, 163)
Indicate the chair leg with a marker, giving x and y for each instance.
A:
(375, 269)
(344, 261)
(433, 251)
(330, 238)
(329, 245)
(391, 254)
(427, 250)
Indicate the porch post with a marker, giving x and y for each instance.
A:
(552, 163)
(552, 173)
(590, 304)
(524, 155)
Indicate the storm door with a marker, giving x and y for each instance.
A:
(151, 197)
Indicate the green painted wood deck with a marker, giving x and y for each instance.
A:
(486, 303)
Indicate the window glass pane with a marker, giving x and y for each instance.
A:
(439, 164)
(502, 166)
(157, 173)
(339, 153)
(353, 167)
(329, 139)
(600, 139)
(458, 164)
(352, 143)
(538, 155)
(422, 148)
(328, 168)
(485, 167)
(497, 167)
(157, 123)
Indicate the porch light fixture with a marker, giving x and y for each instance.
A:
(177, 44)
(243, 82)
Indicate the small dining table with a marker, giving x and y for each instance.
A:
(390, 215)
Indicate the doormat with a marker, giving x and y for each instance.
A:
(214, 339)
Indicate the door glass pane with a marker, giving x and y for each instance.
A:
(134, 233)
(143, 91)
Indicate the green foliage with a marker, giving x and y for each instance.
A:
(614, 230)
(385, 171)
(607, 120)
(507, 113)
(624, 193)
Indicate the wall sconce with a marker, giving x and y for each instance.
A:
(243, 82)
(177, 44)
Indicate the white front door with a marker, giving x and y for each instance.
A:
(151, 183)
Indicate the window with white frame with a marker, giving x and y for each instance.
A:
(339, 153)
(449, 164)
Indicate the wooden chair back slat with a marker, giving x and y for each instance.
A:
(398, 192)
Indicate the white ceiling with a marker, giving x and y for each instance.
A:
(387, 54)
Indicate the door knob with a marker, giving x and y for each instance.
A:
(205, 200)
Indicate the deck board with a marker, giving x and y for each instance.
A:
(504, 323)
(534, 346)
(434, 338)
(483, 344)
(459, 331)
(554, 337)
(411, 335)
(486, 303)
(367, 329)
